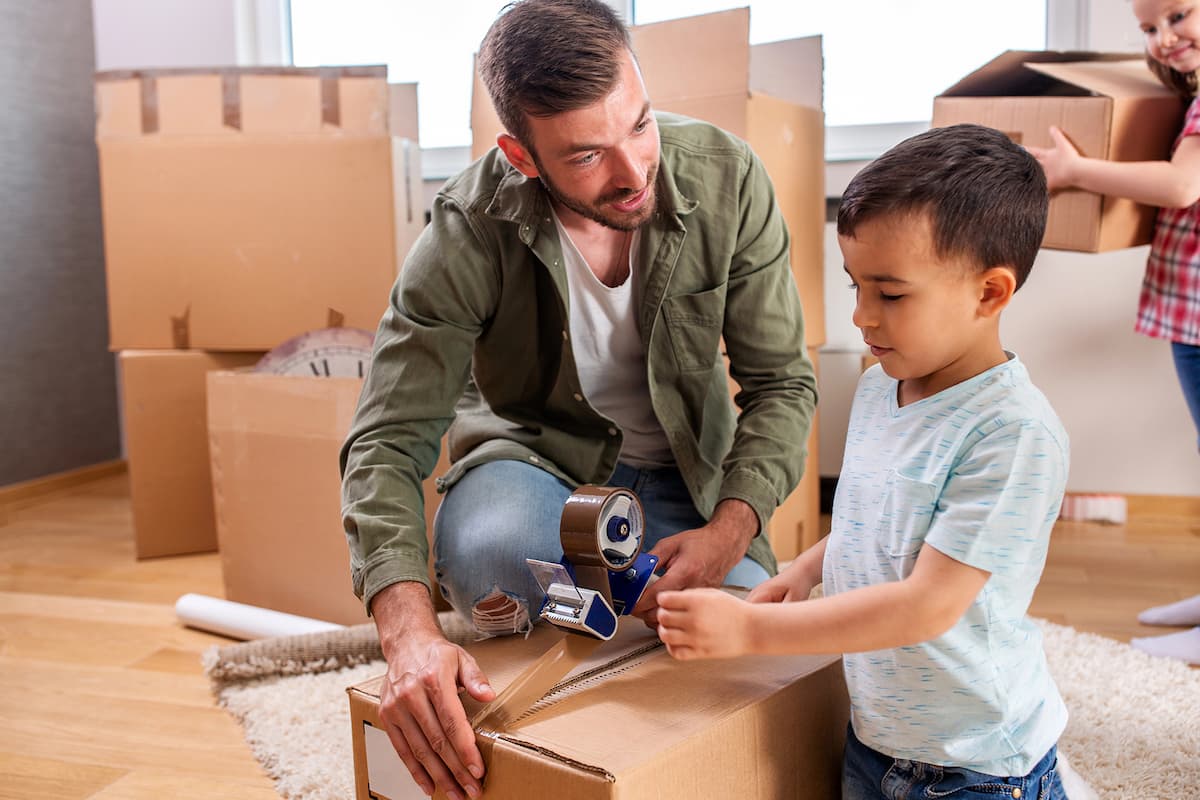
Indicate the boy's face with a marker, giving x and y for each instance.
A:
(931, 322)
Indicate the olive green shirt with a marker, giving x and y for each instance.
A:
(476, 339)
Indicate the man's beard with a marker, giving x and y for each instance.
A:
(599, 212)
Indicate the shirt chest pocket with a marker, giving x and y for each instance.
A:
(905, 515)
(694, 323)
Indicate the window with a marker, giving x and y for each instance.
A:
(432, 44)
(884, 59)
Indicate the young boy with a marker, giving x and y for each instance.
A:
(954, 471)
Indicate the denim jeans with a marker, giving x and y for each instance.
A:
(867, 773)
(502, 512)
(1187, 367)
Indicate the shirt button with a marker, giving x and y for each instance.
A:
(612, 431)
(579, 397)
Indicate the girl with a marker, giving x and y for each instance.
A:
(1169, 307)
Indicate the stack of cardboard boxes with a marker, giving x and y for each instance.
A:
(244, 207)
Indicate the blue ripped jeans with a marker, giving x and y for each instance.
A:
(502, 512)
(868, 774)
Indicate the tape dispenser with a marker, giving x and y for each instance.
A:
(603, 571)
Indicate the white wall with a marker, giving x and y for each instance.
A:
(165, 33)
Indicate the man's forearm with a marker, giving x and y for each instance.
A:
(403, 609)
(737, 520)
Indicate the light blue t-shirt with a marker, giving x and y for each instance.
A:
(976, 471)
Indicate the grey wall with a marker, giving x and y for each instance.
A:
(58, 407)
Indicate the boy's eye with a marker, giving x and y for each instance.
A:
(890, 297)
(642, 125)
(1178, 15)
(852, 285)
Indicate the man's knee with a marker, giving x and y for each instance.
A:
(500, 613)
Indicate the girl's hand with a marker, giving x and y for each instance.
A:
(704, 623)
(788, 586)
(1059, 162)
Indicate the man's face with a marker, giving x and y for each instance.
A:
(600, 161)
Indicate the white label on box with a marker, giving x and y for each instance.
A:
(387, 777)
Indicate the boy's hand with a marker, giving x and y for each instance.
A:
(1059, 162)
(704, 623)
(788, 586)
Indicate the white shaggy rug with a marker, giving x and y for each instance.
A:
(1134, 732)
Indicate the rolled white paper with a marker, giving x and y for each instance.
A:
(240, 621)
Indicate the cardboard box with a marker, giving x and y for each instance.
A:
(718, 77)
(243, 207)
(274, 442)
(642, 725)
(166, 445)
(1108, 104)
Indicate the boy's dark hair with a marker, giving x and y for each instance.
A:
(985, 195)
(543, 57)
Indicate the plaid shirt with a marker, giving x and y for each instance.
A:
(1169, 307)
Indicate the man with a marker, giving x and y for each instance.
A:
(565, 308)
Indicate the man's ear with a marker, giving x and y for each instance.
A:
(996, 287)
(517, 155)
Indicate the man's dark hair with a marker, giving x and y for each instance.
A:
(985, 195)
(543, 57)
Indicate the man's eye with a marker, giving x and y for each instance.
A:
(890, 297)
(584, 160)
(642, 125)
(852, 285)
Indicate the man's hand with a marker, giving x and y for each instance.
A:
(701, 557)
(704, 623)
(419, 704)
(1058, 162)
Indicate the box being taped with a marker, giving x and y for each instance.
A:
(633, 723)
(245, 206)
(1108, 104)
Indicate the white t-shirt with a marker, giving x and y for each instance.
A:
(976, 471)
(610, 358)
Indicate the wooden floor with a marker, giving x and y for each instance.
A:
(102, 694)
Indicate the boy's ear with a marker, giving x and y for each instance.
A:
(996, 287)
(517, 155)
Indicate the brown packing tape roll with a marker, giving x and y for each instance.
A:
(579, 526)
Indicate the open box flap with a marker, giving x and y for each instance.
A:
(1013, 74)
